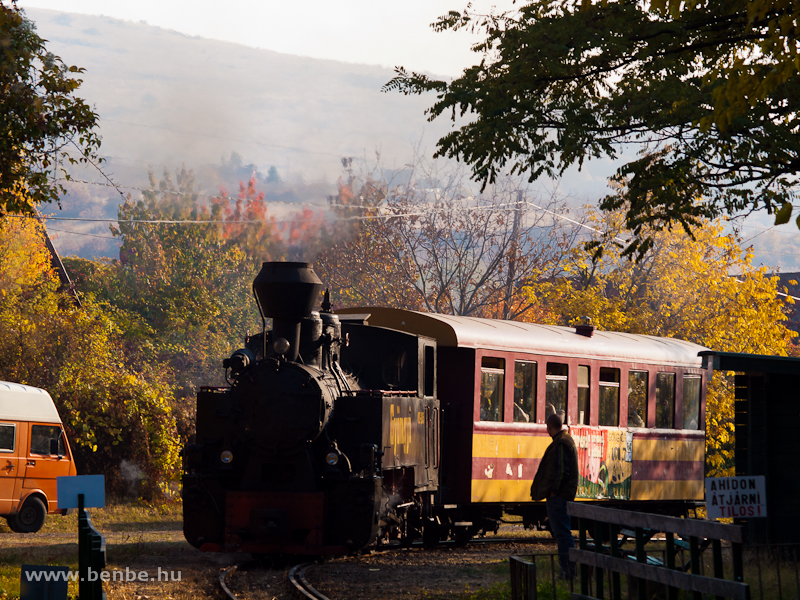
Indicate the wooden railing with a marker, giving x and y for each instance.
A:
(693, 534)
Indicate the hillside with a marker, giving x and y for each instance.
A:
(167, 99)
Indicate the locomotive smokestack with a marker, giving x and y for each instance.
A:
(287, 292)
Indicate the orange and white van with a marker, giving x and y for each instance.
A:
(33, 452)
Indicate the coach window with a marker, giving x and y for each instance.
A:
(524, 392)
(583, 395)
(691, 402)
(637, 398)
(492, 390)
(665, 400)
(609, 397)
(556, 390)
(7, 437)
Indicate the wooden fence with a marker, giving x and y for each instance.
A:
(693, 534)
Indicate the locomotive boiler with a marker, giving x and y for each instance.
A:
(324, 441)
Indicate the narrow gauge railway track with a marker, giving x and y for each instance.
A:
(297, 577)
(298, 586)
(296, 583)
(223, 583)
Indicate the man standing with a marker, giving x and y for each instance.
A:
(557, 481)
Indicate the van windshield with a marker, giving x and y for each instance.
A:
(41, 436)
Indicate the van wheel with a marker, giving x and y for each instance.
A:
(30, 518)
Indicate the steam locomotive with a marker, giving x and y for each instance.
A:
(340, 430)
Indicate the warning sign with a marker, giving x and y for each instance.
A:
(740, 497)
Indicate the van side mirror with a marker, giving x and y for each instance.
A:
(54, 446)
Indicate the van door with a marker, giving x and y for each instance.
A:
(9, 465)
(47, 459)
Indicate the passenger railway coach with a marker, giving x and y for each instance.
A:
(634, 404)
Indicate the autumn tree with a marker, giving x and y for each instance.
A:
(181, 289)
(362, 266)
(703, 289)
(114, 407)
(43, 124)
(708, 90)
(428, 241)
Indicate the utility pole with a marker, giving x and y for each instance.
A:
(56, 264)
(512, 257)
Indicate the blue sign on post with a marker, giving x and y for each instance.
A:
(82, 492)
(93, 488)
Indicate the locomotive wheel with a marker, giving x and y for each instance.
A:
(462, 536)
(431, 533)
(29, 518)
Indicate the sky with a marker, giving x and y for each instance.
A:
(373, 32)
(360, 31)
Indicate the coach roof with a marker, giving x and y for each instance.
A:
(515, 336)
(24, 403)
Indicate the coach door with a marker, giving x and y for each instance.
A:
(432, 443)
(9, 466)
(47, 459)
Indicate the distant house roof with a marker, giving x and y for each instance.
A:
(514, 336)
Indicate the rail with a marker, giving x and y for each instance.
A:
(303, 589)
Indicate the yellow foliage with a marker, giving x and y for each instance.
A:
(24, 260)
(111, 411)
(703, 289)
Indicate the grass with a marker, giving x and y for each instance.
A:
(144, 536)
(134, 516)
(139, 537)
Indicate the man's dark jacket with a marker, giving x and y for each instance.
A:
(558, 470)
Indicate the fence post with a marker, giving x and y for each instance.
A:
(582, 525)
(513, 565)
(532, 581)
(615, 592)
(694, 557)
(598, 547)
(719, 572)
(641, 557)
(523, 578)
(91, 556)
(672, 592)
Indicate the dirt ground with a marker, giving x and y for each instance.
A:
(152, 540)
(440, 573)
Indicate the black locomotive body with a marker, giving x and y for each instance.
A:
(326, 438)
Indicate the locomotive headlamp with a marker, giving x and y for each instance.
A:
(281, 346)
(226, 457)
(332, 458)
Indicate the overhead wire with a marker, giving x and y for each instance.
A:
(509, 206)
(102, 237)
